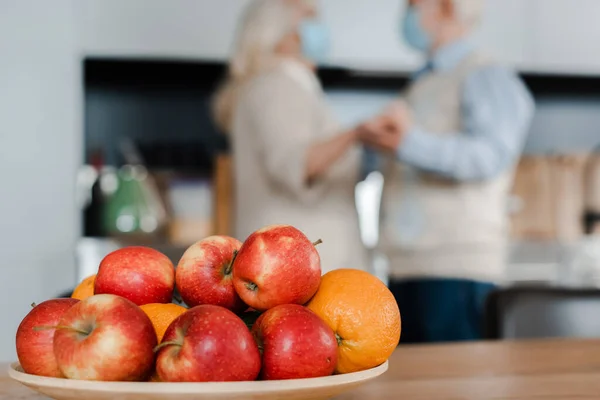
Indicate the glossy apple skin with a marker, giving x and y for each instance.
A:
(119, 345)
(276, 265)
(140, 274)
(35, 348)
(212, 345)
(204, 274)
(296, 344)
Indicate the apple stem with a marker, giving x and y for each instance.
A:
(318, 242)
(33, 305)
(69, 328)
(229, 268)
(165, 344)
(252, 286)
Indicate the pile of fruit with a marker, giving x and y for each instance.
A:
(257, 310)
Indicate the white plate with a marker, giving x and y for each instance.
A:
(298, 389)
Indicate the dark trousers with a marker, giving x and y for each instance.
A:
(440, 310)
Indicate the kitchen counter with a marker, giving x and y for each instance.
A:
(568, 265)
(553, 369)
(541, 263)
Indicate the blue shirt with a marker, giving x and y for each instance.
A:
(497, 112)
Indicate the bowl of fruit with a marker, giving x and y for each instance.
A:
(258, 321)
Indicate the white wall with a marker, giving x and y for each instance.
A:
(534, 35)
(162, 28)
(506, 30)
(366, 35)
(567, 36)
(363, 35)
(40, 144)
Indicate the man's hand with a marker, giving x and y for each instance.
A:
(381, 133)
(399, 112)
(385, 132)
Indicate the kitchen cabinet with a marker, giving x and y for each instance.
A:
(592, 184)
(592, 195)
(532, 194)
(224, 196)
(550, 193)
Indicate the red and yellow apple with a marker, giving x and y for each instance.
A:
(204, 273)
(140, 274)
(208, 344)
(35, 337)
(276, 265)
(295, 344)
(105, 338)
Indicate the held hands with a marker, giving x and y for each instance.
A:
(386, 131)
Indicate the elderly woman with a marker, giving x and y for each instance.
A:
(293, 163)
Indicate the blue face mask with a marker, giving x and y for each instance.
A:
(315, 40)
(412, 31)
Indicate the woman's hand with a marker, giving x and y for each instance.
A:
(386, 131)
(324, 154)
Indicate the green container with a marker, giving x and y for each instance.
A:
(129, 210)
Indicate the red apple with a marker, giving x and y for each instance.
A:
(296, 344)
(276, 265)
(204, 273)
(208, 344)
(105, 338)
(35, 346)
(139, 274)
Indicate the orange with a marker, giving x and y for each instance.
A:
(162, 315)
(85, 288)
(363, 314)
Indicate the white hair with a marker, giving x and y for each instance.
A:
(264, 24)
(469, 12)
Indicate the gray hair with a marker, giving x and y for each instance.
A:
(263, 24)
(469, 11)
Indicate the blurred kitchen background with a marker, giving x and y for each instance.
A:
(106, 137)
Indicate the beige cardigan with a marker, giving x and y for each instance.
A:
(278, 116)
(464, 224)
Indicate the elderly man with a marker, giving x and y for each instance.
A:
(451, 147)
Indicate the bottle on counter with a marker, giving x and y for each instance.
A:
(592, 196)
(93, 199)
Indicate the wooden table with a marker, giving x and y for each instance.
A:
(554, 369)
(557, 369)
